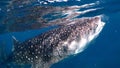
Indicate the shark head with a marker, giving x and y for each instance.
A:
(87, 30)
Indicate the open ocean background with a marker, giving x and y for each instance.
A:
(103, 52)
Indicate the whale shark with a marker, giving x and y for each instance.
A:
(48, 48)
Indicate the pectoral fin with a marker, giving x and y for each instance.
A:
(16, 43)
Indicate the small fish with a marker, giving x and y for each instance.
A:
(50, 47)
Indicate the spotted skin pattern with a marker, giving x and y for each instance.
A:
(52, 46)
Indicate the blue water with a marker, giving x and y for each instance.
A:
(103, 52)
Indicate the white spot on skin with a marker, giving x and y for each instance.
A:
(33, 53)
(36, 49)
(36, 56)
(31, 58)
(18, 54)
(45, 2)
(65, 43)
(31, 46)
(28, 58)
(38, 52)
(40, 46)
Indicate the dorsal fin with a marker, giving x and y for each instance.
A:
(15, 42)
